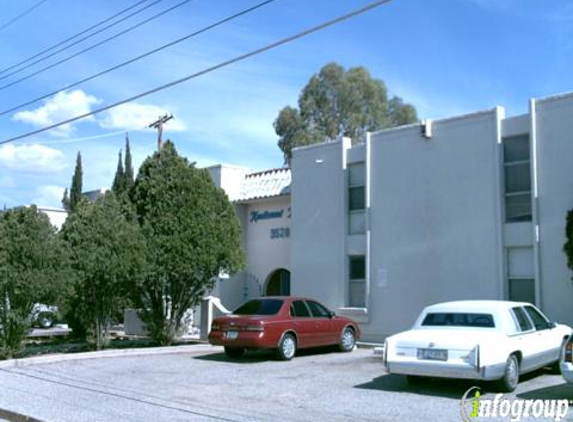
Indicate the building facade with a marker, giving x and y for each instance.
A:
(469, 207)
(262, 204)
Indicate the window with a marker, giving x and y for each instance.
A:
(357, 281)
(539, 320)
(299, 309)
(517, 169)
(522, 320)
(457, 319)
(522, 290)
(260, 307)
(520, 274)
(318, 311)
(356, 198)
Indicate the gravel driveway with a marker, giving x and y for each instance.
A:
(201, 384)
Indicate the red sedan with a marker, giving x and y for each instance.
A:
(282, 323)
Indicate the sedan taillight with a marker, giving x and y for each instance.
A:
(568, 356)
(255, 327)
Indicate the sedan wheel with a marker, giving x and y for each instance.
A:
(511, 375)
(287, 347)
(348, 340)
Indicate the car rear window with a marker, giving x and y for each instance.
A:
(458, 319)
(524, 324)
(299, 309)
(260, 307)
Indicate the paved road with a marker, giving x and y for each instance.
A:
(203, 385)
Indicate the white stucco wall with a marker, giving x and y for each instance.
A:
(435, 218)
(318, 217)
(268, 237)
(554, 132)
(57, 216)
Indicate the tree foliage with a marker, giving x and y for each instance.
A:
(32, 270)
(568, 246)
(338, 102)
(123, 180)
(71, 200)
(107, 255)
(192, 235)
(118, 185)
(128, 166)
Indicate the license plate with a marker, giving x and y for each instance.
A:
(232, 335)
(432, 354)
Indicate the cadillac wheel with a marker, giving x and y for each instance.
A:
(511, 375)
(287, 347)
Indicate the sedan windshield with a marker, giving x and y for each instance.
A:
(456, 319)
(260, 307)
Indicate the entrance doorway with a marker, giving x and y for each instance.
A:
(278, 283)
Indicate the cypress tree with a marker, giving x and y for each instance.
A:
(66, 200)
(76, 189)
(128, 172)
(118, 186)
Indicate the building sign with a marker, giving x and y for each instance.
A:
(280, 232)
(275, 233)
(265, 215)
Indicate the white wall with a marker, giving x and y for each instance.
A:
(435, 219)
(268, 239)
(555, 175)
(318, 221)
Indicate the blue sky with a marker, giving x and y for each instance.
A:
(446, 57)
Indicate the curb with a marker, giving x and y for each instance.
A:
(367, 345)
(16, 417)
(102, 354)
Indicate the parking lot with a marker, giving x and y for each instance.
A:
(201, 384)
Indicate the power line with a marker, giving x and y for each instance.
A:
(131, 28)
(21, 15)
(149, 53)
(226, 63)
(73, 36)
(82, 40)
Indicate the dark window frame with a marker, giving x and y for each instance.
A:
(459, 319)
(524, 323)
(292, 308)
(542, 322)
(279, 303)
(325, 314)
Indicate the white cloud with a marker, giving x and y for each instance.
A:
(49, 196)
(137, 116)
(62, 106)
(31, 158)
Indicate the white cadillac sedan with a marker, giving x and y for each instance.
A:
(567, 361)
(482, 340)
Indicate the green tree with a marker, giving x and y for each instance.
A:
(338, 102)
(32, 270)
(106, 253)
(128, 167)
(66, 200)
(568, 246)
(76, 189)
(118, 185)
(192, 235)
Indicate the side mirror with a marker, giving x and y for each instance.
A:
(551, 325)
(331, 314)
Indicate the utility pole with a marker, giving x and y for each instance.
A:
(158, 124)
